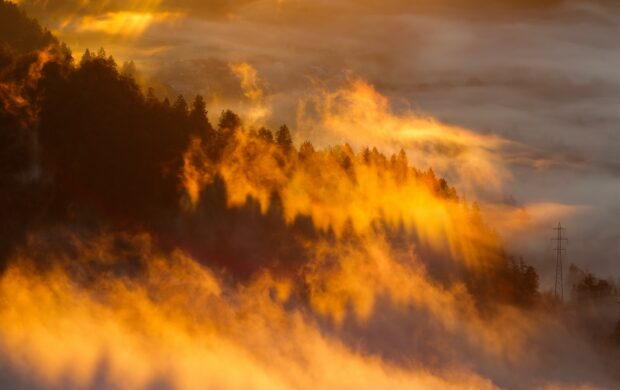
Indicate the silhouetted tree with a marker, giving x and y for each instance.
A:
(592, 288)
(198, 119)
(306, 150)
(151, 99)
(229, 122)
(101, 54)
(265, 134)
(283, 137)
(180, 105)
(129, 69)
(86, 57)
(366, 155)
(525, 280)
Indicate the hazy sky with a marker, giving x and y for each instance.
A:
(543, 74)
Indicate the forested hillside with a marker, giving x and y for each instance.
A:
(121, 205)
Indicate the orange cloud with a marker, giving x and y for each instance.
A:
(123, 23)
(259, 110)
(358, 114)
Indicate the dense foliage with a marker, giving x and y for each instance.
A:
(82, 146)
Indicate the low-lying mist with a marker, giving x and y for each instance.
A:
(143, 246)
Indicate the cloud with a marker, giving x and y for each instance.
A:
(258, 110)
(75, 8)
(359, 115)
(123, 23)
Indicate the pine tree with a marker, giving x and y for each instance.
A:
(283, 137)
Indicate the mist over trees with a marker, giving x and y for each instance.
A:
(98, 151)
(106, 180)
(81, 145)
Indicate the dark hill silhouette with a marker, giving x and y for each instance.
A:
(88, 150)
(20, 33)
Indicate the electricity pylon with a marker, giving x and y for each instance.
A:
(559, 277)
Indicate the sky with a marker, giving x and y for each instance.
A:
(538, 77)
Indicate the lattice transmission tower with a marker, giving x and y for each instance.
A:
(559, 277)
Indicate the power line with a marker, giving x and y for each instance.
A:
(559, 277)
